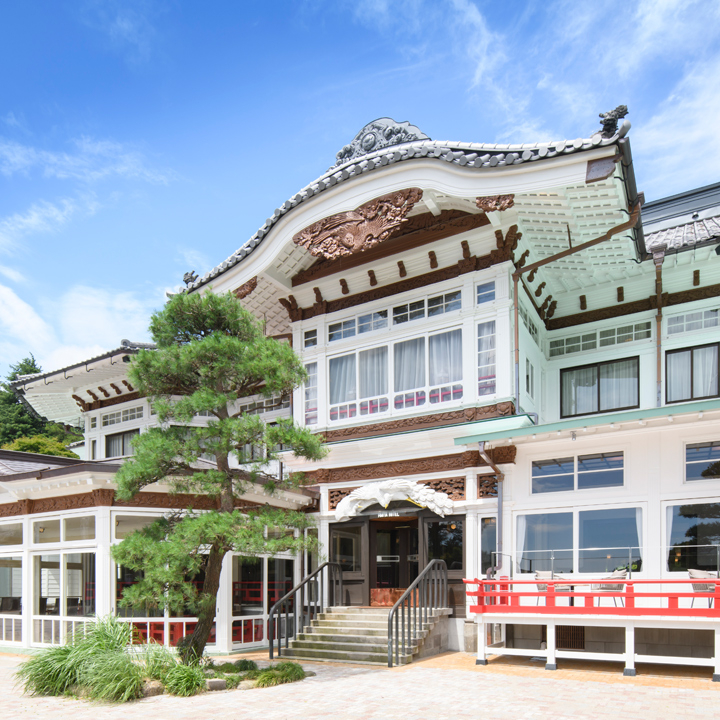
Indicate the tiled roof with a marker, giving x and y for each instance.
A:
(686, 235)
(480, 157)
(125, 347)
(13, 462)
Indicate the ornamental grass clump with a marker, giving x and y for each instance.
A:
(243, 665)
(112, 676)
(284, 672)
(184, 680)
(49, 673)
(157, 661)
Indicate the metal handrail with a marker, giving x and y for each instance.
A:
(427, 592)
(309, 609)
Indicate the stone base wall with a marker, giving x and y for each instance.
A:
(437, 640)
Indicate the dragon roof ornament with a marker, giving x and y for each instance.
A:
(377, 135)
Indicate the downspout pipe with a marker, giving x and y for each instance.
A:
(499, 524)
(631, 222)
(658, 258)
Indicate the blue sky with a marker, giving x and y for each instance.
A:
(141, 139)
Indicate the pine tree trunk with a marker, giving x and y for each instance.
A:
(195, 648)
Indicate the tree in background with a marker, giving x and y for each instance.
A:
(210, 353)
(19, 422)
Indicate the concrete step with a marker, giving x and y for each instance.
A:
(343, 638)
(359, 609)
(336, 646)
(379, 658)
(329, 629)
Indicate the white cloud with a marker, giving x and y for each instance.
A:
(40, 217)
(11, 274)
(21, 325)
(679, 148)
(93, 160)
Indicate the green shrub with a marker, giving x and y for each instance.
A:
(184, 680)
(226, 667)
(111, 675)
(244, 665)
(50, 672)
(284, 672)
(157, 661)
(107, 634)
(233, 681)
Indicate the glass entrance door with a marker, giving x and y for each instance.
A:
(395, 551)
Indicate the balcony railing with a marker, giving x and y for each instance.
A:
(597, 596)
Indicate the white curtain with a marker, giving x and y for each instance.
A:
(705, 375)
(579, 391)
(638, 527)
(114, 446)
(373, 372)
(409, 359)
(678, 376)
(521, 533)
(619, 384)
(342, 379)
(445, 352)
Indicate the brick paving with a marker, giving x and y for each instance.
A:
(448, 686)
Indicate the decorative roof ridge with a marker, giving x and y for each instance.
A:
(480, 156)
(691, 221)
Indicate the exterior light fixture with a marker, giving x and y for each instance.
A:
(453, 526)
(41, 529)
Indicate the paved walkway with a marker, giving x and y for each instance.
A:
(449, 686)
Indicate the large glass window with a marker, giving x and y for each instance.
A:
(591, 471)
(692, 374)
(46, 531)
(545, 542)
(126, 524)
(486, 293)
(345, 548)
(599, 388)
(80, 528)
(280, 579)
(368, 371)
(702, 461)
(124, 579)
(694, 536)
(46, 599)
(120, 444)
(488, 543)
(486, 358)
(80, 584)
(610, 539)
(445, 542)
(11, 586)
(247, 585)
(11, 534)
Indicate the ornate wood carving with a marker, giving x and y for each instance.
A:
(401, 268)
(495, 203)
(486, 486)
(117, 390)
(508, 243)
(539, 289)
(109, 402)
(696, 278)
(246, 288)
(438, 463)
(373, 279)
(358, 230)
(103, 498)
(336, 495)
(344, 286)
(451, 417)
(104, 391)
(65, 502)
(531, 275)
(523, 259)
(433, 260)
(290, 304)
(544, 306)
(417, 231)
(453, 487)
(128, 385)
(92, 395)
(583, 302)
(620, 294)
(551, 310)
(83, 405)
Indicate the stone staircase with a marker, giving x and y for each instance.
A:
(360, 635)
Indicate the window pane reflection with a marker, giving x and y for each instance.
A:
(247, 586)
(445, 542)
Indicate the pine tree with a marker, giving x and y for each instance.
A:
(210, 353)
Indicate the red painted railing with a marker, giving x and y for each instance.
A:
(523, 596)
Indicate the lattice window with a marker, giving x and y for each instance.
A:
(487, 486)
(454, 488)
(335, 496)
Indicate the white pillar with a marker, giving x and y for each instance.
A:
(551, 663)
(223, 608)
(716, 669)
(481, 642)
(630, 650)
(27, 585)
(104, 566)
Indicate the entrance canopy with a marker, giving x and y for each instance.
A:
(387, 491)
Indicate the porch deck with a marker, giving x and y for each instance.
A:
(633, 621)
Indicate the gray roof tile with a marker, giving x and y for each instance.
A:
(686, 235)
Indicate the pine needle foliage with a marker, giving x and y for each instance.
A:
(210, 354)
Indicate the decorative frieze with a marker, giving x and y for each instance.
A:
(486, 486)
(494, 203)
(453, 487)
(351, 232)
(246, 288)
(423, 422)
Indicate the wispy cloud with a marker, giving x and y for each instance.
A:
(128, 24)
(91, 160)
(11, 274)
(41, 217)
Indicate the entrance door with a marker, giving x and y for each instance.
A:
(393, 552)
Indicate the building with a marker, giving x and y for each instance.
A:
(589, 441)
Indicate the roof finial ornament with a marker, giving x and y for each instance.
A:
(609, 120)
(190, 277)
(377, 135)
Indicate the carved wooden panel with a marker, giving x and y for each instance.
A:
(335, 496)
(453, 487)
(360, 229)
(437, 463)
(486, 486)
(451, 417)
(246, 288)
(494, 203)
